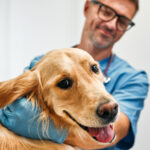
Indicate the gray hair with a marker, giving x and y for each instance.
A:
(136, 2)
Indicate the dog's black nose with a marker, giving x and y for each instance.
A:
(108, 111)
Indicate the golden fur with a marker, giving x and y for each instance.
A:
(41, 82)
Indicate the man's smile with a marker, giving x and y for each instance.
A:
(107, 33)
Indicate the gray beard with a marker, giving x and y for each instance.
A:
(100, 45)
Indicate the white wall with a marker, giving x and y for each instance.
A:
(35, 27)
(4, 38)
(32, 27)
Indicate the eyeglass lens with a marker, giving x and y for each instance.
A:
(107, 14)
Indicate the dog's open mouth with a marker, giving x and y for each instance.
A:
(103, 134)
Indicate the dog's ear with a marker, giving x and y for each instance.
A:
(24, 84)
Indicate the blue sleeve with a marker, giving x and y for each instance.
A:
(130, 96)
(21, 118)
(33, 62)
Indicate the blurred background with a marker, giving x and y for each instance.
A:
(29, 28)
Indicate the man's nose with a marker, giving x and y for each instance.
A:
(112, 24)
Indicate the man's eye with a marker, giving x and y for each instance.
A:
(95, 68)
(65, 84)
(107, 12)
(123, 22)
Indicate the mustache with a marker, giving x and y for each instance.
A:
(107, 29)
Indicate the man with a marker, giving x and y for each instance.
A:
(106, 21)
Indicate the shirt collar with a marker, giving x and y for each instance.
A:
(103, 63)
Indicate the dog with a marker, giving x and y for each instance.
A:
(69, 87)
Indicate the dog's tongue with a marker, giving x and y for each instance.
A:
(104, 134)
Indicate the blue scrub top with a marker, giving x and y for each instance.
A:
(127, 85)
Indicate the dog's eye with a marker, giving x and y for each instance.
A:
(65, 84)
(94, 68)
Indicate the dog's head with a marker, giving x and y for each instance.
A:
(69, 87)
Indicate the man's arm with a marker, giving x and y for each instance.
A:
(23, 119)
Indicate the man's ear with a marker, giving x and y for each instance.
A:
(86, 7)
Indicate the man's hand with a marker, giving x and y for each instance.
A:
(23, 119)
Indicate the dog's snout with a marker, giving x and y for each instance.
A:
(108, 111)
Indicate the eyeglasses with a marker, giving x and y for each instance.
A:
(107, 14)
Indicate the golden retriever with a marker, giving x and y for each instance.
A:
(69, 87)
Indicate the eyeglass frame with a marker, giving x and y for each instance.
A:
(131, 23)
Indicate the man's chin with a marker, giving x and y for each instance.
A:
(102, 41)
(102, 45)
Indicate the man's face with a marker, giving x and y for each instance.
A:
(103, 34)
